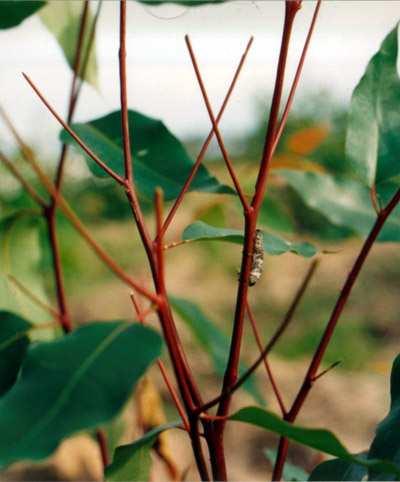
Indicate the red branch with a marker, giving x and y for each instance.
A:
(330, 328)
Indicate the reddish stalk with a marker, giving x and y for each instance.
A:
(88, 52)
(268, 369)
(214, 123)
(65, 318)
(156, 260)
(297, 76)
(251, 215)
(124, 95)
(206, 143)
(330, 328)
(185, 387)
(291, 9)
(164, 373)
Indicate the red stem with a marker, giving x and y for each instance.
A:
(297, 76)
(183, 374)
(330, 328)
(291, 9)
(164, 373)
(124, 95)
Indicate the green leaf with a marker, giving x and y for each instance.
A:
(386, 443)
(63, 19)
(13, 12)
(75, 383)
(275, 217)
(290, 471)
(14, 343)
(373, 141)
(132, 462)
(159, 159)
(343, 201)
(211, 339)
(273, 244)
(338, 469)
(318, 439)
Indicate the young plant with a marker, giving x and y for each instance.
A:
(82, 377)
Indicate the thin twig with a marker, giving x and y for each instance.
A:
(203, 150)
(84, 233)
(124, 95)
(282, 327)
(20, 178)
(327, 370)
(88, 52)
(214, 123)
(268, 369)
(296, 79)
(77, 139)
(34, 298)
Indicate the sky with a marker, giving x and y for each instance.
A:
(160, 76)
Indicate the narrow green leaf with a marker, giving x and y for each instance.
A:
(63, 19)
(160, 160)
(343, 201)
(373, 140)
(13, 12)
(338, 469)
(211, 339)
(273, 244)
(290, 471)
(14, 343)
(386, 443)
(318, 439)
(75, 383)
(132, 462)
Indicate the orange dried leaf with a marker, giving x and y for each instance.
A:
(306, 140)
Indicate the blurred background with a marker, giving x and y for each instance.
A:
(162, 85)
